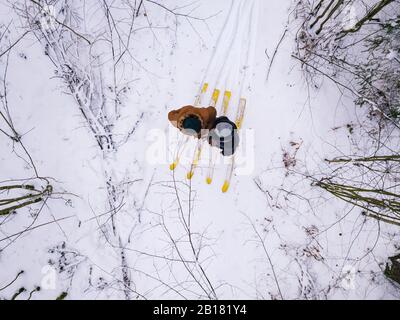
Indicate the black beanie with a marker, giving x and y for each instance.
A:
(192, 123)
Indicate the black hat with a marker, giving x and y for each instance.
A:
(224, 136)
(192, 125)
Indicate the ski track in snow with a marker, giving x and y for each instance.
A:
(259, 240)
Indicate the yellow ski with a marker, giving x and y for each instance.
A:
(199, 147)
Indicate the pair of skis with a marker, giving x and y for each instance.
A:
(199, 147)
(229, 171)
(183, 143)
(238, 121)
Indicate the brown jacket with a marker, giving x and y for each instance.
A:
(206, 116)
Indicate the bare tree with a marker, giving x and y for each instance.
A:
(360, 57)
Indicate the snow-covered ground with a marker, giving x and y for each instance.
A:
(271, 236)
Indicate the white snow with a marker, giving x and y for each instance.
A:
(272, 235)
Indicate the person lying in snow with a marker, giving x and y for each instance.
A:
(203, 123)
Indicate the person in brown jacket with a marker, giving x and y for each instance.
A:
(191, 120)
